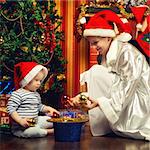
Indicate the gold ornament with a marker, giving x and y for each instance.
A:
(43, 14)
(5, 78)
(40, 48)
(24, 48)
(1, 40)
(46, 86)
(43, 37)
(34, 48)
(60, 77)
(34, 3)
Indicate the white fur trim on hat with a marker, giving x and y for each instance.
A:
(124, 20)
(124, 37)
(32, 74)
(139, 26)
(99, 32)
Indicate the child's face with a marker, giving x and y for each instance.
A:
(35, 83)
(102, 44)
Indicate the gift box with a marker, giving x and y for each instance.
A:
(68, 127)
(5, 121)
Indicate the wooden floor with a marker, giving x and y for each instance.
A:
(88, 142)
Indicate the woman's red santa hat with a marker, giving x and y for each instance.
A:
(143, 25)
(138, 12)
(24, 72)
(101, 25)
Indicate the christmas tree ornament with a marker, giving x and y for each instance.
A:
(34, 48)
(1, 40)
(43, 37)
(34, 3)
(24, 48)
(60, 77)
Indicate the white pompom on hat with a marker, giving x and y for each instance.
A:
(101, 25)
(138, 12)
(24, 72)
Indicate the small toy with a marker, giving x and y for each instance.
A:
(83, 99)
(31, 122)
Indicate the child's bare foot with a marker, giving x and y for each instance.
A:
(50, 131)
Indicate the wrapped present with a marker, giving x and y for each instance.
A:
(5, 121)
(4, 99)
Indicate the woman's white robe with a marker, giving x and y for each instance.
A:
(122, 90)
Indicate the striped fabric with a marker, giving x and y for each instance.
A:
(27, 104)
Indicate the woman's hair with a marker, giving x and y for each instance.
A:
(99, 59)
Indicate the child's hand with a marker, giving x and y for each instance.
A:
(24, 122)
(51, 111)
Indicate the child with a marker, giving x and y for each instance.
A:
(25, 104)
(119, 88)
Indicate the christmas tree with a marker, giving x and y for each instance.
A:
(29, 31)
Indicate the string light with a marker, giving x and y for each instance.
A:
(9, 83)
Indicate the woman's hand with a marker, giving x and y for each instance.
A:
(76, 102)
(90, 104)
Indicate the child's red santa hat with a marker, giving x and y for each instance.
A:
(24, 72)
(138, 12)
(100, 25)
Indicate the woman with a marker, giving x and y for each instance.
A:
(118, 90)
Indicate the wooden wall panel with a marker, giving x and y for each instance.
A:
(75, 52)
